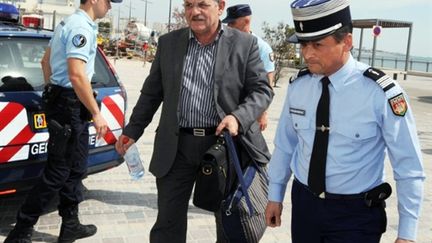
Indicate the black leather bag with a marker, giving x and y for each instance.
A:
(211, 182)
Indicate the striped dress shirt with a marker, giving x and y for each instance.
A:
(197, 104)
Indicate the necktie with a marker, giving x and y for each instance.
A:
(317, 167)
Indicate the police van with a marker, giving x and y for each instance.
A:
(23, 125)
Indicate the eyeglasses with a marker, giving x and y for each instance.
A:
(200, 5)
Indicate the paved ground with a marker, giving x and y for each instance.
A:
(125, 210)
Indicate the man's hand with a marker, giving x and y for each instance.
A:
(230, 123)
(262, 121)
(273, 214)
(100, 125)
(399, 240)
(123, 143)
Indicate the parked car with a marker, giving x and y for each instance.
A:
(23, 127)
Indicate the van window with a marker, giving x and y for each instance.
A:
(103, 77)
(20, 68)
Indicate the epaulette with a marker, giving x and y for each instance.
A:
(395, 97)
(380, 78)
(300, 73)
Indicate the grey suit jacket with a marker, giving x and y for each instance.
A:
(241, 89)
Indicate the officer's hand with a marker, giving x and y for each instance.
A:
(399, 240)
(123, 143)
(273, 214)
(230, 123)
(262, 121)
(100, 125)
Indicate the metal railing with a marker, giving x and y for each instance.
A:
(399, 64)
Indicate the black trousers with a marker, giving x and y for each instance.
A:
(175, 189)
(64, 171)
(316, 220)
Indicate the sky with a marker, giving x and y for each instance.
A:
(419, 12)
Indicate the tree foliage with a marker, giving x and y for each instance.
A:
(277, 38)
(179, 19)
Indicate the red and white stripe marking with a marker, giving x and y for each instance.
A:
(15, 133)
(112, 109)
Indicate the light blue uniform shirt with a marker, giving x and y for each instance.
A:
(74, 37)
(362, 127)
(266, 54)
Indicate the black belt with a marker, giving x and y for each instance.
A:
(333, 196)
(63, 90)
(199, 132)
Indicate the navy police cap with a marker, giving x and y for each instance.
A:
(237, 11)
(316, 19)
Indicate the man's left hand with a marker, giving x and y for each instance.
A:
(230, 123)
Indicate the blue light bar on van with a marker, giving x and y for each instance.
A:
(9, 13)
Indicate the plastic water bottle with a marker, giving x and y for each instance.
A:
(133, 161)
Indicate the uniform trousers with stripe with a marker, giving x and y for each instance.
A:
(64, 172)
(175, 189)
(316, 220)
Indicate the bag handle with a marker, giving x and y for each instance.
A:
(233, 152)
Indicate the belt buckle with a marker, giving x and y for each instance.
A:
(199, 132)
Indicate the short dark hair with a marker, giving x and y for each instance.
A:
(83, 1)
(340, 34)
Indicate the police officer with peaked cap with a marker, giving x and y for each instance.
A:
(339, 118)
(68, 66)
(239, 17)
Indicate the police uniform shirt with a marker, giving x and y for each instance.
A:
(266, 54)
(362, 126)
(74, 37)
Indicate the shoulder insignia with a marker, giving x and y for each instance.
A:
(397, 102)
(272, 57)
(79, 40)
(300, 73)
(380, 78)
(398, 105)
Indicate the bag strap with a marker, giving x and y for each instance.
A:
(233, 152)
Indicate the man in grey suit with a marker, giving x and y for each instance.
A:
(208, 77)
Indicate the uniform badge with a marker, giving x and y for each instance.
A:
(296, 111)
(272, 57)
(79, 40)
(399, 105)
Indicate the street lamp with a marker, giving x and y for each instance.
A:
(145, 12)
(130, 10)
(169, 17)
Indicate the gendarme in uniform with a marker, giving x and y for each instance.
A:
(265, 50)
(266, 54)
(75, 37)
(369, 114)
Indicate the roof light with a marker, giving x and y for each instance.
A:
(9, 13)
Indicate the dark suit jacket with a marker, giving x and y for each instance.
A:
(241, 88)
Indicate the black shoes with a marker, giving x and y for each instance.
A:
(20, 235)
(71, 230)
